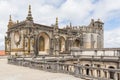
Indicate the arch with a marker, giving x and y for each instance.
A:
(87, 69)
(76, 43)
(98, 71)
(111, 74)
(62, 44)
(43, 43)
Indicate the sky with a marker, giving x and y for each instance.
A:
(78, 12)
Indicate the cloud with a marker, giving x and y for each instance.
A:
(112, 38)
(106, 8)
(79, 12)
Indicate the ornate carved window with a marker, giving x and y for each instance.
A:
(76, 43)
(17, 37)
(41, 44)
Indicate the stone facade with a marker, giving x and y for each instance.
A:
(75, 50)
(28, 37)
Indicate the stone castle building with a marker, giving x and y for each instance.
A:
(27, 37)
(75, 50)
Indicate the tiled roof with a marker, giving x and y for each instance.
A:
(2, 52)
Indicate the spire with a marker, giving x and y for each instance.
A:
(56, 21)
(92, 20)
(10, 23)
(10, 19)
(29, 17)
(70, 24)
(17, 21)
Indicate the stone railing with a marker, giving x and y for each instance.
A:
(97, 52)
(84, 72)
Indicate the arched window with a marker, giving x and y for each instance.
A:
(41, 44)
(62, 44)
(111, 73)
(87, 69)
(98, 71)
(76, 43)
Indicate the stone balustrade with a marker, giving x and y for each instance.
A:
(97, 52)
(78, 70)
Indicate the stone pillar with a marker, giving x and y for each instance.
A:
(69, 44)
(90, 72)
(108, 76)
(115, 76)
(29, 44)
(80, 70)
(51, 47)
(102, 72)
(76, 70)
(95, 72)
(57, 65)
(56, 45)
(84, 71)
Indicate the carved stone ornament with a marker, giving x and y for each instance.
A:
(17, 37)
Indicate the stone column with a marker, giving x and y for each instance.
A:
(57, 65)
(69, 43)
(51, 47)
(75, 70)
(56, 45)
(108, 76)
(90, 72)
(84, 71)
(94, 70)
(95, 73)
(102, 72)
(115, 76)
(29, 44)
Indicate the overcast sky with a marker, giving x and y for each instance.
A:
(78, 12)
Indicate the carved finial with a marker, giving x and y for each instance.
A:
(29, 8)
(29, 17)
(57, 21)
(10, 18)
(98, 19)
(70, 24)
(92, 20)
(17, 21)
(10, 23)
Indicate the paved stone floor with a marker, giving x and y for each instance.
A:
(12, 72)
